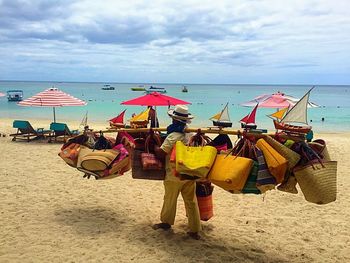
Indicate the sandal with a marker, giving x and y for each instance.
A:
(194, 235)
(164, 226)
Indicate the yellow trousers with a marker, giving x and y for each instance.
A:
(188, 192)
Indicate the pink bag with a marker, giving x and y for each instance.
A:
(149, 160)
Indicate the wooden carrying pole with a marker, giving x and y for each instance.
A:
(207, 130)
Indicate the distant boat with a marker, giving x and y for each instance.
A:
(15, 95)
(296, 114)
(152, 87)
(184, 89)
(109, 88)
(157, 89)
(222, 119)
(138, 89)
(160, 90)
(248, 122)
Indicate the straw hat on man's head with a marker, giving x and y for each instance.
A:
(180, 113)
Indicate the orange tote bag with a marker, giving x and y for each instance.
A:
(276, 163)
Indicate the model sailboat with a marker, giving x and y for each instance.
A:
(140, 120)
(118, 121)
(296, 114)
(248, 122)
(84, 122)
(222, 119)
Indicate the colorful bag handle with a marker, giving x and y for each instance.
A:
(309, 153)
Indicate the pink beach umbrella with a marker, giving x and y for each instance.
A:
(2, 94)
(276, 100)
(52, 97)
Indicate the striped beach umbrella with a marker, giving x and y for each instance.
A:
(52, 97)
(275, 100)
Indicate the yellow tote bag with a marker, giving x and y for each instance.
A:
(230, 172)
(194, 161)
(276, 163)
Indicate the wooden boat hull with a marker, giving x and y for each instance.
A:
(222, 124)
(248, 126)
(291, 128)
(14, 99)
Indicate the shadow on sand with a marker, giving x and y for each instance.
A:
(97, 221)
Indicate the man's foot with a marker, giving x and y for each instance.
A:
(194, 235)
(164, 226)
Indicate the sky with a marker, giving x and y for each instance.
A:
(182, 41)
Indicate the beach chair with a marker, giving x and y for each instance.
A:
(25, 131)
(61, 130)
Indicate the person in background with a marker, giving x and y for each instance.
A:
(173, 186)
(152, 116)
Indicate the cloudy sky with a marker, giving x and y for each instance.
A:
(181, 41)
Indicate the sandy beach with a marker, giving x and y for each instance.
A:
(49, 212)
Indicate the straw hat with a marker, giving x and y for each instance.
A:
(180, 113)
(98, 160)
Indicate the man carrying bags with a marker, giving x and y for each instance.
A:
(172, 184)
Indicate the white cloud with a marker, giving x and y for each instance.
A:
(237, 41)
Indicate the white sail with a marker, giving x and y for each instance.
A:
(298, 113)
(224, 117)
(84, 121)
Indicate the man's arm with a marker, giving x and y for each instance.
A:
(160, 153)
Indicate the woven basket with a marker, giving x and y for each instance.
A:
(292, 157)
(289, 185)
(319, 146)
(318, 182)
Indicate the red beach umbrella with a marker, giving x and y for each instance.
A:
(154, 99)
(52, 97)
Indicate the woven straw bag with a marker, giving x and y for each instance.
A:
(292, 157)
(318, 181)
(319, 146)
(288, 185)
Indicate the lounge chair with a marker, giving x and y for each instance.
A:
(25, 131)
(61, 130)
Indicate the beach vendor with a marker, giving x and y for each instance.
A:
(172, 184)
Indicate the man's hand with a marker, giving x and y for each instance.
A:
(159, 153)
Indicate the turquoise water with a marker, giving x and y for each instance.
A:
(207, 100)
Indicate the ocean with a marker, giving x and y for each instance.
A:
(206, 100)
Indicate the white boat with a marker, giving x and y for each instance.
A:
(155, 89)
(14, 95)
(222, 119)
(285, 119)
